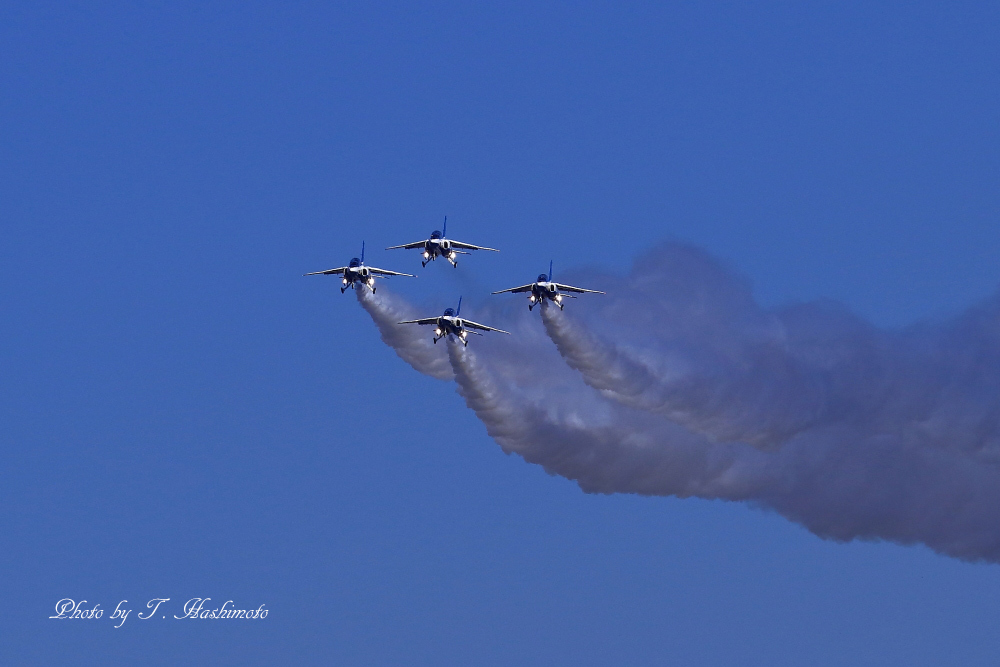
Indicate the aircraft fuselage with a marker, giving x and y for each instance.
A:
(450, 325)
(435, 247)
(544, 290)
(357, 274)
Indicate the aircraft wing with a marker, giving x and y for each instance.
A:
(570, 288)
(515, 290)
(386, 272)
(407, 246)
(426, 320)
(469, 246)
(476, 325)
(339, 269)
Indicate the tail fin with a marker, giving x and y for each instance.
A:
(444, 230)
(458, 311)
(362, 252)
(550, 271)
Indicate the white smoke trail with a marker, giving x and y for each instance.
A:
(694, 390)
(605, 448)
(411, 343)
(715, 362)
(740, 403)
(839, 484)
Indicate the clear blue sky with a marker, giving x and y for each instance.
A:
(184, 415)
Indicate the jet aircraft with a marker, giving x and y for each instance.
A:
(544, 288)
(451, 324)
(438, 245)
(357, 272)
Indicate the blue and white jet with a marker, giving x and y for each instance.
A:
(356, 272)
(439, 246)
(544, 288)
(451, 324)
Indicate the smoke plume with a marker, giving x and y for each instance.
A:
(678, 383)
(412, 345)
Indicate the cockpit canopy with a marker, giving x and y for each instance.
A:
(355, 262)
(436, 234)
(449, 312)
(542, 278)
